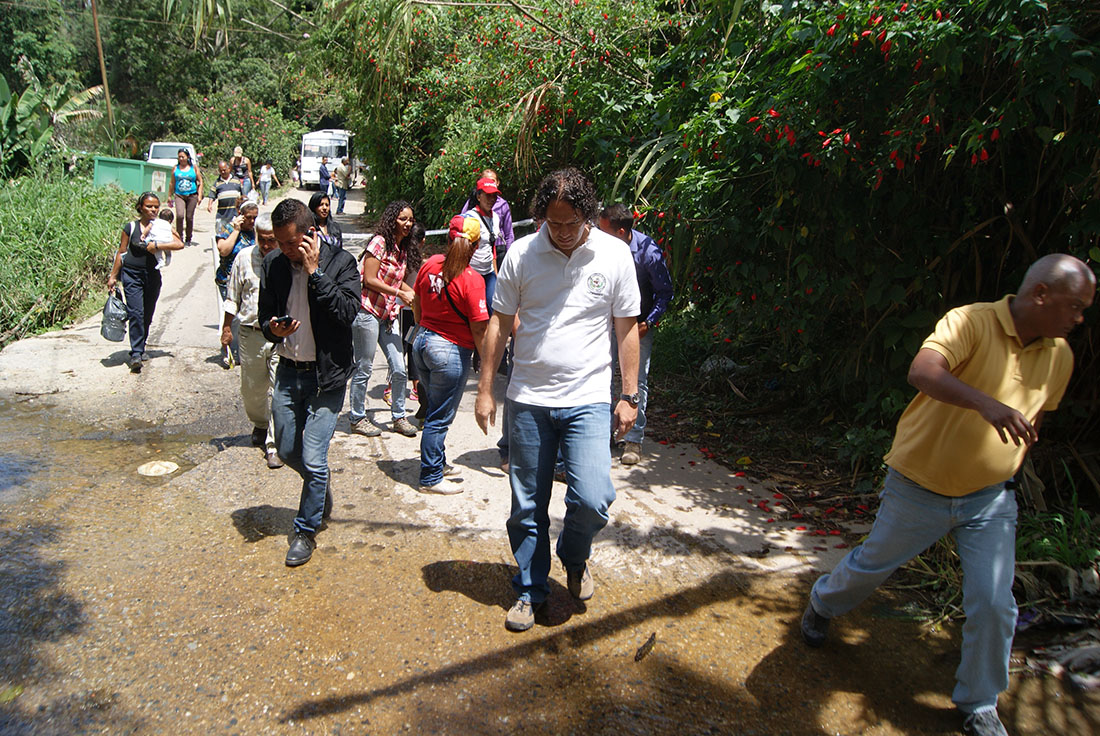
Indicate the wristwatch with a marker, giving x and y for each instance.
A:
(633, 399)
(316, 275)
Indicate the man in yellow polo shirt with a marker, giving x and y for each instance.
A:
(986, 376)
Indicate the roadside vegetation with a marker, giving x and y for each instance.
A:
(58, 235)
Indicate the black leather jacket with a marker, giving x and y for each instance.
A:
(334, 293)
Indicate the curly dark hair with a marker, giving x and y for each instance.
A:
(387, 225)
(569, 186)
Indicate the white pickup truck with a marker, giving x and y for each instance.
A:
(166, 153)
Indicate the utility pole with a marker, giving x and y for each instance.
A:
(103, 73)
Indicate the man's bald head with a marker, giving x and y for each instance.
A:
(1060, 272)
(1056, 291)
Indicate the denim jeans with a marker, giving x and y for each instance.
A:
(234, 326)
(265, 187)
(490, 289)
(304, 420)
(341, 195)
(367, 332)
(442, 366)
(645, 350)
(583, 435)
(910, 519)
(142, 289)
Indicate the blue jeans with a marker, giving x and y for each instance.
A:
(341, 195)
(366, 334)
(304, 420)
(234, 326)
(910, 519)
(442, 366)
(142, 289)
(490, 289)
(265, 187)
(583, 435)
(645, 350)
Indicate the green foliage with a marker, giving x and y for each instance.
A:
(25, 128)
(40, 287)
(826, 178)
(217, 122)
(38, 41)
(1071, 537)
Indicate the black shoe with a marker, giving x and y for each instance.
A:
(327, 512)
(301, 549)
(259, 436)
(135, 364)
(814, 626)
(984, 723)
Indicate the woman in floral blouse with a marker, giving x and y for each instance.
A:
(384, 292)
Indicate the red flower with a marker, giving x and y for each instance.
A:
(773, 113)
(995, 134)
(832, 30)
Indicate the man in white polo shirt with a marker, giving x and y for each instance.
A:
(575, 286)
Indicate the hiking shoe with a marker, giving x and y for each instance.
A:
(984, 723)
(274, 462)
(632, 453)
(301, 549)
(365, 428)
(521, 616)
(580, 583)
(259, 436)
(404, 426)
(387, 395)
(814, 626)
(135, 364)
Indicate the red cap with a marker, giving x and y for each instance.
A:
(487, 185)
(457, 222)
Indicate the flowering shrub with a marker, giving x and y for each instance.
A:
(216, 123)
(826, 178)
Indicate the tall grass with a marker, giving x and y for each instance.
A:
(57, 238)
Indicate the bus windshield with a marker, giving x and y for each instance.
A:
(331, 149)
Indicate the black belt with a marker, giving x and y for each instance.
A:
(298, 365)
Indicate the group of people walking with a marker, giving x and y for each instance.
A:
(583, 293)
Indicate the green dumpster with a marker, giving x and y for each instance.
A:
(132, 175)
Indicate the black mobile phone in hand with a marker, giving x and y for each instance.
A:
(283, 321)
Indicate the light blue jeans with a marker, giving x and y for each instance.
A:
(910, 519)
(583, 435)
(341, 195)
(442, 366)
(304, 420)
(645, 350)
(367, 332)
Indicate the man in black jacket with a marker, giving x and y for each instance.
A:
(309, 296)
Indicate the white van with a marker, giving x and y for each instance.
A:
(166, 153)
(332, 142)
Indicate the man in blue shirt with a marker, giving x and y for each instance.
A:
(655, 284)
(324, 177)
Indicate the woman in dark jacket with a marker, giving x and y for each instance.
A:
(331, 233)
(136, 263)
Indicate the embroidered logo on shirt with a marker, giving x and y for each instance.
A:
(597, 282)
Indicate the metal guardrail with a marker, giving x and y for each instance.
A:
(430, 233)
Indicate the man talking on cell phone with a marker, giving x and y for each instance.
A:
(317, 286)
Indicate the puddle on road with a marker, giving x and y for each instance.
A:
(45, 452)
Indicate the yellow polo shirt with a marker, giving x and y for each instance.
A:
(954, 451)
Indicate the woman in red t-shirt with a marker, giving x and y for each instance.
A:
(450, 308)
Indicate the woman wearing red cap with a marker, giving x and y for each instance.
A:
(484, 260)
(450, 308)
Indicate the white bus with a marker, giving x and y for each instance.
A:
(330, 142)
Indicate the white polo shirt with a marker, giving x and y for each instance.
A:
(565, 306)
